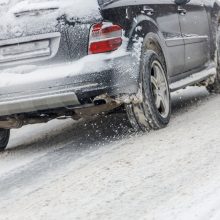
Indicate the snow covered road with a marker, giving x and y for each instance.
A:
(102, 170)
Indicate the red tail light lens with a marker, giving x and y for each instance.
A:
(104, 37)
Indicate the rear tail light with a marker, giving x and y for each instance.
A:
(104, 37)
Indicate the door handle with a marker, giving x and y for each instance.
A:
(182, 11)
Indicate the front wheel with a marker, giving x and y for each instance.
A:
(4, 138)
(155, 109)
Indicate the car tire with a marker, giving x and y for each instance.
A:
(4, 138)
(215, 87)
(155, 108)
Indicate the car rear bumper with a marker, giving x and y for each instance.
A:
(30, 88)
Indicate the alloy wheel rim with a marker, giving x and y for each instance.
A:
(160, 89)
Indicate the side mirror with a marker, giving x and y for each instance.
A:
(182, 2)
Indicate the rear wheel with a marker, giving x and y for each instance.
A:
(215, 87)
(155, 109)
(4, 138)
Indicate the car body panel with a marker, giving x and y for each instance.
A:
(196, 34)
(51, 77)
(103, 74)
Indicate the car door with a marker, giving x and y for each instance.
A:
(195, 31)
(167, 19)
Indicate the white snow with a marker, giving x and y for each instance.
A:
(36, 16)
(4, 2)
(73, 8)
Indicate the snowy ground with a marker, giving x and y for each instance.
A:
(101, 170)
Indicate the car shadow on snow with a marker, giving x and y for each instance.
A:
(79, 134)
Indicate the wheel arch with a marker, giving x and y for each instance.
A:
(145, 27)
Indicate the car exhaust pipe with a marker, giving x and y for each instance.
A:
(101, 104)
(103, 100)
